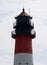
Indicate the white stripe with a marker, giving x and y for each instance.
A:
(23, 59)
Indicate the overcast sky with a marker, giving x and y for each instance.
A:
(11, 8)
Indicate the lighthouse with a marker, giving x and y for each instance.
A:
(23, 34)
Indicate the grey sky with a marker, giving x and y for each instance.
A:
(11, 8)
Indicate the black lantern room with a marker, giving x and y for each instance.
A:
(24, 25)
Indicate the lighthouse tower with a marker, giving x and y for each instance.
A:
(23, 34)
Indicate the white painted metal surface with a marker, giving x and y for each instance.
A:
(23, 59)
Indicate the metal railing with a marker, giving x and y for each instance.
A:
(32, 24)
(13, 32)
(33, 32)
(14, 24)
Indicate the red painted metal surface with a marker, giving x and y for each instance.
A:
(23, 44)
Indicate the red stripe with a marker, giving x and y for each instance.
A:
(23, 44)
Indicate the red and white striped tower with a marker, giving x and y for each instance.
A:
(23, 35)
